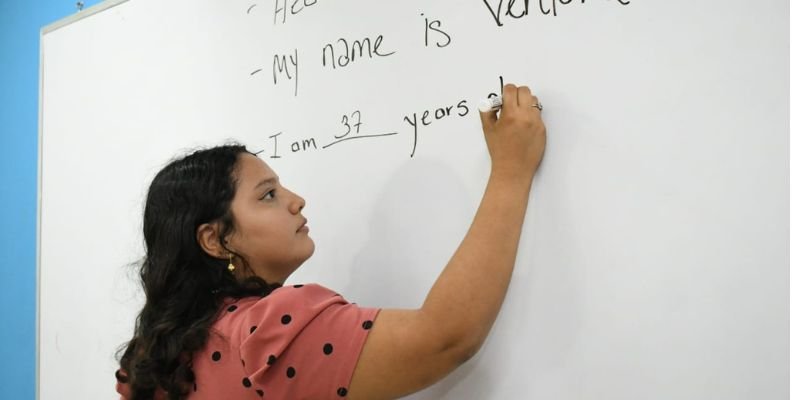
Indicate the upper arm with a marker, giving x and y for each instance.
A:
(404, 353)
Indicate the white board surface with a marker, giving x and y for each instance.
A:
(654, 257)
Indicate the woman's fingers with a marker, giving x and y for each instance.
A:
(524, 97)
(510, 97)
(514, 99)
(518, 98)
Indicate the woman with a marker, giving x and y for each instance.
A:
(222, 236)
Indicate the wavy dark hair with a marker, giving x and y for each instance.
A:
(184, 286)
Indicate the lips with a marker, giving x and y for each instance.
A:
(305, 221)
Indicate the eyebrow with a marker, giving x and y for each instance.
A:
(272, 180)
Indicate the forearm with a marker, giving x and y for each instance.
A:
(467, 296)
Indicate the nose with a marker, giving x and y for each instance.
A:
(297, 204)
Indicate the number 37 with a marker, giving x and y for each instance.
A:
(355, 120)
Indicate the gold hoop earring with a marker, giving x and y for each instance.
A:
(231, 267)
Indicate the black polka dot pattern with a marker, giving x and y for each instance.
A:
(289, 364)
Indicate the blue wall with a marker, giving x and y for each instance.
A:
(20, 25)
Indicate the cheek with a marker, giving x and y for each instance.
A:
(261, 237)
(255, 232)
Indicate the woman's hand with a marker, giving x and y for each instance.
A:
(516, 140)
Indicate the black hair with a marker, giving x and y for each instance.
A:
(184, 286)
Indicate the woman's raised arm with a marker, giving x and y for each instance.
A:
(408, 350)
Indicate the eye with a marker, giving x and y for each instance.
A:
(270, 194)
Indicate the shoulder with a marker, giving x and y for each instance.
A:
(299, 295)
(303, 341)
(307, 292)
(288, 307)
(306, 297)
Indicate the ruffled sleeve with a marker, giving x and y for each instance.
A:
(302, 341)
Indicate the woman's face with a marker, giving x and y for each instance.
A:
(267, 223)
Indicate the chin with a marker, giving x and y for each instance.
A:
(309, 251)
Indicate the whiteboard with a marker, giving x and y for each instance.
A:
(654, 256)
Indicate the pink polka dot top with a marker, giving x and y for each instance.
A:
(299, 342)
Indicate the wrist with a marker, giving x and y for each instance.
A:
(512, 176)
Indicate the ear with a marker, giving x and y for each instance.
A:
(208, 239)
